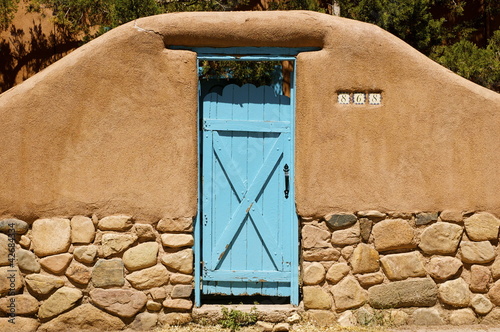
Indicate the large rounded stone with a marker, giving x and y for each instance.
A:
(174, 318)
(181, 291)
(22, 324)
(443, 268)
(314, 274)
(26, 261)
(175, 225)
(119, 302)
(79, 273)
(7, 246)
(108, 273)
(85, 254)
(178, 304)
(455, 293)
(316, 297)
(370, 279)
(348, 294)
(441, 238)
(51, 236)
(82, 230)
(23, 304)
(63, 299)
(11, 281)
(481, 304)
(56, 264)
(391, 234)
(364, 259)
(113, 243)
(321, 254)
(337, 271)
(477, 252)
(403, 266)
(16, 226)
(145, 232)
(492, 318)
(148, 278)
(480, 277)
(41, 284)
(314, 237)
(482, 226)
(427, 317)
(406, 293)
(145, 321)
(462, 317)
(141, 256)
(494, 293)
(451, 215)
(85, 317)
(177, 240)
(115, 223)
(181, 261)
(336, 221)
(348, 236)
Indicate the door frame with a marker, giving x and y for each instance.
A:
(247, 54)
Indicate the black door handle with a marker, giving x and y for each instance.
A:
(286, 169)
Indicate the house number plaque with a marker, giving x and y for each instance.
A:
(359, 98)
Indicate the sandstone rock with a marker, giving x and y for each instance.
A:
(347, 319)
(115, 223)
(482, 226)
(22, 324)
(320, 317)
(179, 278)
(365, 317)
(427, 317)
(23, 304)
(85, 317)
(364, 259)
(119, 302)
(403, 266)
(51, 236)
(5, 249)
(442, 268)
(264, 326)
(451, 215)
(78, 273)
(175, 225)
(365, 226)
(141, 256)
(425, 218)
(158, 293)
(370, 279)
(495, 269)
(56, 264)
(344, 237)
(85, 254)
(181, 261)
(321, 254)
(455, 293)
(26, 261)
(153, 306)
(348, 294)
(314, 274)
(17, 226)
(398, 317)
(494, 293)
(337, 271)
(82, 230)
(174, 318)
(462, 317)
(63, 299)
(25, 242)
(10, 281)
(108, 273)
(346, 252)
(316, 297)
(43, 284)
(113, 243)
(293, 319)
(281, 327)
(177, 240)
(314, 237)
(336, 221)
(145, 321)
(406, 293)
(477, 252)
(371, 214)
(145, 232)
(481, 304)
(393, 234)
(492, 318)
(148, 278)
(479, 278)
(441, 238)
(178, 304)
(181, 291)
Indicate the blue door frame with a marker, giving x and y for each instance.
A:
(250, 54)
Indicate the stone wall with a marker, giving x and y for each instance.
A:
(402, 268)
(104, 273)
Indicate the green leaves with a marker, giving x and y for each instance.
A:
(8, 9)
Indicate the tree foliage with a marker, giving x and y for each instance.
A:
(8, 9)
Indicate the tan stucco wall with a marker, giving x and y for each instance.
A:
(111, 128)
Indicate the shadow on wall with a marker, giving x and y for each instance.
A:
(27, 50)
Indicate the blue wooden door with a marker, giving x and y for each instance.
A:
(248, 212)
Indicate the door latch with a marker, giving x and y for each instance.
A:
(286, 169)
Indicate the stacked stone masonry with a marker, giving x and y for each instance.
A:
(363, 268)
(89, 273)
(402, 268)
